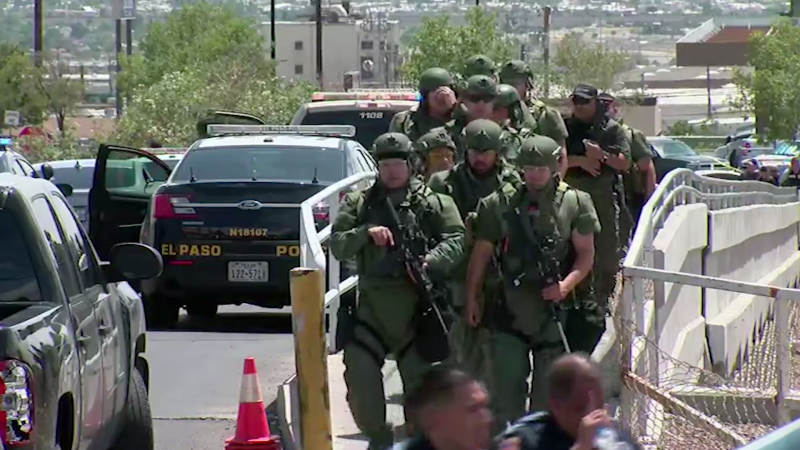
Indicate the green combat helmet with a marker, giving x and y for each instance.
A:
(434, 78)
(480, 85)
(391, 146)
(483, 135)
(436, 138)
(515, 71)
(507, 96)
(479, 65)
(539, 151)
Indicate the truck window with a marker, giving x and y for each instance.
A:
(369, 123)
(18, 280)
(44, 215)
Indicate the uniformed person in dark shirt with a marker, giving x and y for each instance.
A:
(450, 411)
(575, 415)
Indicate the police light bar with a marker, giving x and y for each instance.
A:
(304, 130)
(5, 141)
(166, 151)
(365, 95)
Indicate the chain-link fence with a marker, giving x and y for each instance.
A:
(678, 394)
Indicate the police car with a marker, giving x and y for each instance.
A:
(227, 219)
(14, 162)
(370, 111)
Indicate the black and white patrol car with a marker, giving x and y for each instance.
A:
(227, 219)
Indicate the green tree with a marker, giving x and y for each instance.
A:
(62, 91)
(439, 43)
(771, 91)
(201, 57)
(19, 85)
(579, 61)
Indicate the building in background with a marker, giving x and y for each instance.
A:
(367, 44)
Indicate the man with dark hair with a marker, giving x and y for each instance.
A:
(575, 414)
(450, 410)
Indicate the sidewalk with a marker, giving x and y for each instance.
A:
(346, 435)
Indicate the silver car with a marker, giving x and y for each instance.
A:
(78, 174)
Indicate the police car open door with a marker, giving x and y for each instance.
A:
(227, 118)
(124, 180)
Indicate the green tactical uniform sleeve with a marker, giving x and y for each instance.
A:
(488, 223)
(437, 182)
(398, 121)
(449, 250)
(639, 148)
(618, 141)
(552, 125)
(586, 220)
(348, 238)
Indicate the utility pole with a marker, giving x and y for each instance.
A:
(320, 79)
(710, 112)
(546, 13)
(129, 37)
(272, 29)
(38, 32)
(118, 32)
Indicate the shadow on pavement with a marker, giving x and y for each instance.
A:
(236, 322)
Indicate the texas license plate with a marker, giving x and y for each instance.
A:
(248, 271)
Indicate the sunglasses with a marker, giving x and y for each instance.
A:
(486, 98)
(580, 100)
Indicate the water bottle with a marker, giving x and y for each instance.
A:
(609, 439)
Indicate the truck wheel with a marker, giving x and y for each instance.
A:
(137, 426)
(202, 310)
(161, 312)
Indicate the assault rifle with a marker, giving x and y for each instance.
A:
(432, 328)
(549, 267)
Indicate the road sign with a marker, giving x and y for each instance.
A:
(123, 9)
(11, 118)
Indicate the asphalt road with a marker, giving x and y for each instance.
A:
(196, 370)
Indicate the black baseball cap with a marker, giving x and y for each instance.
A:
(585, 91)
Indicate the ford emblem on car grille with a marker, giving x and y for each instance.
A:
(249, 205)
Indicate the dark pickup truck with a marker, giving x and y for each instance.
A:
(72, 331)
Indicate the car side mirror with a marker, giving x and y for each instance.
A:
(728, 140)
(65, 189)
(47, 171)
(133, 261)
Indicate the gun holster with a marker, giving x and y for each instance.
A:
(345, 321)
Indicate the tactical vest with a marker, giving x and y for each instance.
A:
(461, 190)
(519, 261)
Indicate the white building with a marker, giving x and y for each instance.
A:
(370, 47)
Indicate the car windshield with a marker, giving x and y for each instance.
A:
(671, 148)
(369, 123)
(262, 163)
(18, 280)
(79, 176)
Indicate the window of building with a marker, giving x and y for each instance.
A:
(383, 45)
(367, 45)
(298, 69)
(298, 45)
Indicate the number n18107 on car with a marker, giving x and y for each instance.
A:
(248, 271)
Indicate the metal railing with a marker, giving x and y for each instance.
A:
(683, 187)
(313, 255)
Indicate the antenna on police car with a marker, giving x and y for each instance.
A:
(315, 180)
(192, 179)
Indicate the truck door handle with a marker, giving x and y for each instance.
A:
(104, 329)
(83, 339)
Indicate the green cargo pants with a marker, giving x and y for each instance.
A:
(384, 326)
(470, 346)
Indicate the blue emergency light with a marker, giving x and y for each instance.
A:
(5, 142)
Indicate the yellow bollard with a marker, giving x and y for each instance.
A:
(310, 357)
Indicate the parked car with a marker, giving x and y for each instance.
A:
(227, 219)
(77, 173)
(670, 154)
(72, 330)
(12, 161)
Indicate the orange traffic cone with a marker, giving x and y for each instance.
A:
(252, 429)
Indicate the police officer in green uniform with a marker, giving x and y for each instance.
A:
(436, 108)
(640, 179)
(477, 102)
(386, 320)
(513, 116)
(598, 153)
(483, 171)
(544, 233)
(436, 150)
(479, 65)
(548, 120)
